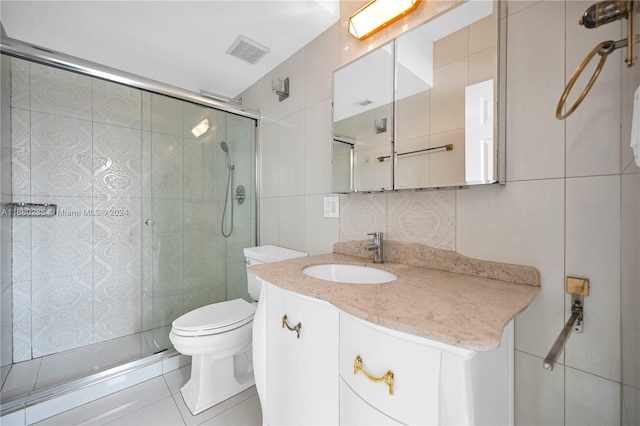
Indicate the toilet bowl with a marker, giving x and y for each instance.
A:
(218, 338)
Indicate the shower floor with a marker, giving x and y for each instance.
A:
(25, 378)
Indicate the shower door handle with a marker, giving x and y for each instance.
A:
(150, 222)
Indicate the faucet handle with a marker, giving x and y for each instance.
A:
(375, 234)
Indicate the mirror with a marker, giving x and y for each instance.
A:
(442, 119)
(363, 118)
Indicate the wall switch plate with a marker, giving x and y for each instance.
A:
(332, 206)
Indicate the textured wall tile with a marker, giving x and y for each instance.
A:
(20, 87)
(61, 163)
(167, 115)
(60, 92)
(117, 161)
(117, 104)
(426, 217)
(62, 245)
(20, 152)
(200, 171)
(62, 310)
(21, 321)
(117, 300)
(361, 214)
(167, 162)
(117, 232)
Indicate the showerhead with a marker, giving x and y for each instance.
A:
(224, 146)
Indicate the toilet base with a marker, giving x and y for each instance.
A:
(214, 380)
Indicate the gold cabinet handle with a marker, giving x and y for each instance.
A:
(387, 378)
(296, 328)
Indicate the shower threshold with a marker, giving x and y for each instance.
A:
(47, 401)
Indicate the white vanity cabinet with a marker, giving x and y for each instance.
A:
(302, 365)
(338, 371)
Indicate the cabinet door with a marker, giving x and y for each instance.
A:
(356, 411)
(302, 366)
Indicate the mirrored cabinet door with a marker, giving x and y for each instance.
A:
(444, 100)
(424, 110)
(363, 123)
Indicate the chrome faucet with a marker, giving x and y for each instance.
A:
(377, 246)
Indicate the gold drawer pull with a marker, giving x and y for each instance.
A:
(387, 378)
(296, 328)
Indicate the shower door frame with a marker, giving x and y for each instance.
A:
(36, 54)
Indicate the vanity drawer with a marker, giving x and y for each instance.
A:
(415, 367)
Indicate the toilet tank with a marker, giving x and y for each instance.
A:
(266, 254)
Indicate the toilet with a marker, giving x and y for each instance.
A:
(218, 338)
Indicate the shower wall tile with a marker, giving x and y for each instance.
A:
(117, 233)
(20, 152)
(535, 71)
(167, 157)
(20, 86)
(117, 161)
(21, 245)
(146, 181)
(317, 151)
(291, 155)
(630, 83)
(59, 92)
(61, 162)
(168, 286)
(117, 104)
(199, 172)
(201, 284)
(62, 314)
(117, 300)
(593, 251)
(593, 401)
(361, 214)
(593, 131)
(146, 111)
(62, 244)
(167, 115)
(21, 321)
(425, 217)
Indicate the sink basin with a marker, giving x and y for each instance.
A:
(353, 274)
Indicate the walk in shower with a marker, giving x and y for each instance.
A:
(112, 211)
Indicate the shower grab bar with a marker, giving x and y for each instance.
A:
(561, 341)
(448, 147)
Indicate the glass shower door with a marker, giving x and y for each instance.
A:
(187, 259)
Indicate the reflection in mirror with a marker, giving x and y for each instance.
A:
(444, 100)
(343, 150)
(363, 116)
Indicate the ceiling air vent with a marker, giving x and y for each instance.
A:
(364, 102)
(246, 49)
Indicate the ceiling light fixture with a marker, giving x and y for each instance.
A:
(200, 128)
(377, 14)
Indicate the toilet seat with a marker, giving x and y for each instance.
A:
(214, 319)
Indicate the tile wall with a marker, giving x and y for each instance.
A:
(570, 206)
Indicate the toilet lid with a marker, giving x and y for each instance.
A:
(215, 318)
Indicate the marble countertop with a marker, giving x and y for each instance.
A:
(468, 311)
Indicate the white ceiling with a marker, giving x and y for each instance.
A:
(181, 43)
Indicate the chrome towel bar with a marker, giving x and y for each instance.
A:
(574, 322)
